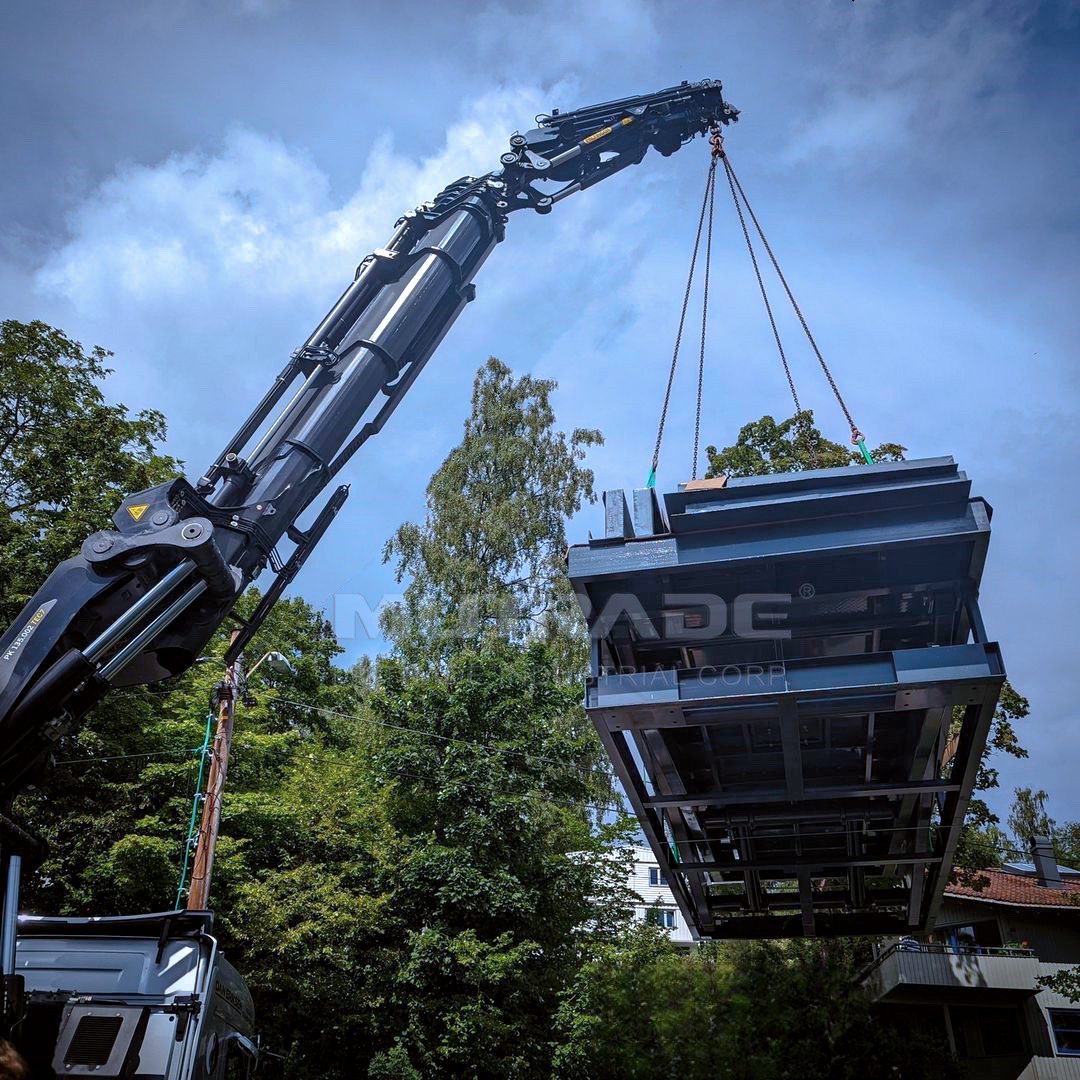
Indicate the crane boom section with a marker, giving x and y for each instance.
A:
(140, 600)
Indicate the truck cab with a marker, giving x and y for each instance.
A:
(147, 996)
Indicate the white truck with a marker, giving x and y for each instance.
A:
(146, 997)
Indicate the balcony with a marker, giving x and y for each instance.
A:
(913, 972)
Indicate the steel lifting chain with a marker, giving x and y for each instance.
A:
(738, 196)
(761, 284)
(707, 203)
(737, 193)
(716, 141)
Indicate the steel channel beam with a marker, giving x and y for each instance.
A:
(827, 901)
(667, 554)
(899, 673)
(627, 772)
(792, 751)
(779, 795)
(822, 863)
(973, 735)
(771, 926)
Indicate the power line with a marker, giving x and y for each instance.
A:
(580, 770)
(127, 757)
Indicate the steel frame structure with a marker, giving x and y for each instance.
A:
(791, 676)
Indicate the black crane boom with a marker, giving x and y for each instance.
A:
(140, 600)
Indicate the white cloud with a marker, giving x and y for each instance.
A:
(254, 221)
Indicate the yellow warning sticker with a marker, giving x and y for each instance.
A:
(602, 133)
(137, 512)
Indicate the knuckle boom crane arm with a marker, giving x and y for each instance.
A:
(140, 600)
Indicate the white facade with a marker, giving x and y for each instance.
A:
(657, 900)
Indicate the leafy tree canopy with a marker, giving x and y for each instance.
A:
(793, 445)
(490, 550)
(762, 1010)
(67, 457)
(1028, 816)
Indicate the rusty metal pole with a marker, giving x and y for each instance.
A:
(199, 892)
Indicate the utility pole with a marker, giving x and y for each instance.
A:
(199, 893)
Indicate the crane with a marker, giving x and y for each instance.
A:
(141, 599)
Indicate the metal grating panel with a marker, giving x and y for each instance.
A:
(93, 1040)
(774, 673)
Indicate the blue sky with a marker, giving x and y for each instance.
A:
(191, 184)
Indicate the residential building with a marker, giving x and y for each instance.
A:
(974, 979)
(658, 901)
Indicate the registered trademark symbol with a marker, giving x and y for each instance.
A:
(806, 591)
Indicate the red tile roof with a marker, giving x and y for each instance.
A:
(1009, 888)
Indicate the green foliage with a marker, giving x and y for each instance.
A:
(416, 872)
(413, 899)
(1065, 982)
(410, 866)
(1066, 839)
(983, 843)
(1028, 816)
(115, 809)
(489, 554)
(1011, 707)
(765, 446)
(746, 1011)
(67, 458)
(500, 878)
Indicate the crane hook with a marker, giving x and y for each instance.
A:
(716, 141)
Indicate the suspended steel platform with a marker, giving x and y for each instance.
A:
(776, 664)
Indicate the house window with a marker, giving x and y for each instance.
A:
(662, 917)
(656, 877)
(983, 1032)
(1066, 1024)
(972, 938)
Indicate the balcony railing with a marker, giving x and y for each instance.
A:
(911, 945)
(908, 968)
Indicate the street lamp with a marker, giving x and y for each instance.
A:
(276, 661)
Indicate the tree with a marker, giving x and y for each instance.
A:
(765, 446)
(115, 808)
(490, 551)
(498, 877)
(67, 457)
(441, 869)
(758, 1010)
(499, 872)
(294, 890)
(410, 863)
(1028, 816)
(414, 899)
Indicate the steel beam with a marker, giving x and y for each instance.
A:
(789, 744)
(821, 863)
(838, 792)
(812, 748)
